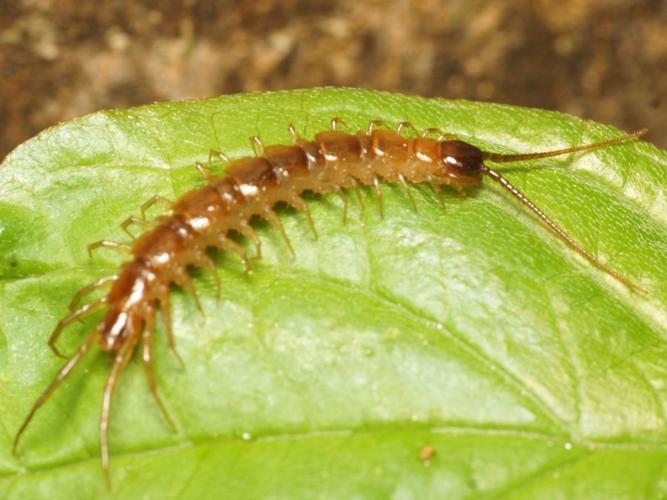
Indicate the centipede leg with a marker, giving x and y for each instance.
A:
(298, 203)
(219, 154)
(378, 192)
(375, 124)
(147, 337)
(165, 307)
(203, 260)
(296, 138)
(445, 136)
(231, 246)
(121, 359)
(130, 221)
(431, 131)
(408, 191)
(90, 288)
(55, 383)
(153, 201)
(107, 244)
(257, 145)
(246, 230)
(360, 198)
(203, 170)
(343, 196)
(441, 134)
(405, 126)
(437, 190)
(70, 318)
(186, 283)
(275, 221)
(336, 121)
(218, 283)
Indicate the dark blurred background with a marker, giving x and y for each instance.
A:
(600, 59)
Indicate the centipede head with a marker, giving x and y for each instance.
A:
(461, 162)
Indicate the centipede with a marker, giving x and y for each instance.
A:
(227, 208)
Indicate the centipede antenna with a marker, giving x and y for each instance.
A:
(55, 383)
(556, 229)
(502, 158)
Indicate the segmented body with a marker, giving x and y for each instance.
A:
(204, 218)
(252, 187)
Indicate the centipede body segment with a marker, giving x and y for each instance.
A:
(207, 217)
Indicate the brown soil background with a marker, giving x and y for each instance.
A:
(599, 59)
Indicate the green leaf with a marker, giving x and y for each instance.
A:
(468, 328)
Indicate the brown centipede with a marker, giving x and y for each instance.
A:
(208, 217)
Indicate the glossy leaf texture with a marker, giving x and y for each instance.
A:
(468, 327)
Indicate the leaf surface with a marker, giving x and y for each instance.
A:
(467, 328)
